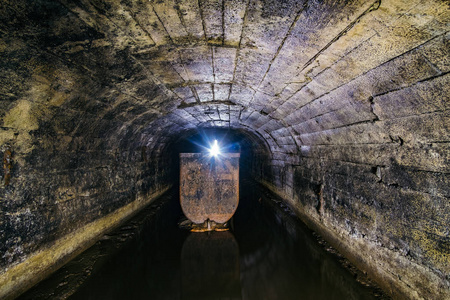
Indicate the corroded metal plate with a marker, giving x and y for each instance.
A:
(209, 186)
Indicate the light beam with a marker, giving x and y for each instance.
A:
(214, 150)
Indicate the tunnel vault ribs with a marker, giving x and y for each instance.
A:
(94, 94)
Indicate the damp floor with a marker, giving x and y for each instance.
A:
(267, 254)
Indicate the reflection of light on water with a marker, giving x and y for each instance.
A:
(214, 150)
(210, 267)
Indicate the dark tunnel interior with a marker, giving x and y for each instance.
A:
(267, 250)
(254, 152)
(267, 254)
(339, 110)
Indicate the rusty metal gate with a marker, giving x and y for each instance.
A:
(209, 186)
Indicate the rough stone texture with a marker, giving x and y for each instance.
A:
(350, 98)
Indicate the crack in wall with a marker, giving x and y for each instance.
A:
(336, 38)
(373, 7)
(372, 109)
(411, 85)
(364, 73)
(180, 15)
(203, 20)
(288, 34)
(223, 22)
(162, 24)
(132, 14)
(213, 69)
(194, 92)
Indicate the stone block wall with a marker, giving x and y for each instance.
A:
(71, 168)
(378, 186)
(52, 195)
(351, 98)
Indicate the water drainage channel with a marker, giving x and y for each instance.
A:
(267, 254)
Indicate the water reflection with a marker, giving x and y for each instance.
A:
(210, 266)
(281, 259)
(268, 254)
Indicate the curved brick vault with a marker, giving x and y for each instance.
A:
(347, 102)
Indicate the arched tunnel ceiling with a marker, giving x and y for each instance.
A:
(345, 104)
(143, 71)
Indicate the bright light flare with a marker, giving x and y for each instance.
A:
(214, 150)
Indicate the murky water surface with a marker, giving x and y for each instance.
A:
(267, 254)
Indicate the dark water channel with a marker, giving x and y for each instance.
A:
(267, 254)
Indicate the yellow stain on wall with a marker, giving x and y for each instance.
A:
(21, 117)
(42, 263)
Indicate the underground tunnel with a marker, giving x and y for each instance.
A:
(339, 110)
